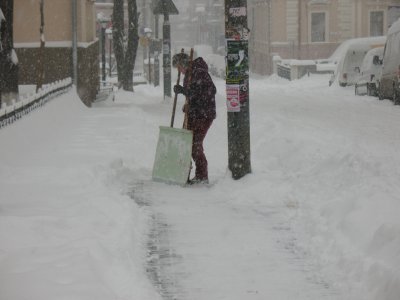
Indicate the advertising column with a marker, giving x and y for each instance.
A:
(237, 87)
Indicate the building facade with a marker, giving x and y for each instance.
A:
(58, 35)
(312, 29)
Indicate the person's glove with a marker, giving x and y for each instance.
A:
(178, 89)
(185, 108)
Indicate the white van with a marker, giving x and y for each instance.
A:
(389, 84)
(351, 57)
(371, 71)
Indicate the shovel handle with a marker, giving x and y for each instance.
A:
(176, 96)
(189, 73)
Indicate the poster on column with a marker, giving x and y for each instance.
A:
(235, 20)
(244, 92)
(237, 61)
(237, 74)
(233, 97)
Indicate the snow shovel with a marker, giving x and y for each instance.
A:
(174, 152)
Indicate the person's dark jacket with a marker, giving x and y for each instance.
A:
(201, 92)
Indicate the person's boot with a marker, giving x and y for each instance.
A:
(196, 180)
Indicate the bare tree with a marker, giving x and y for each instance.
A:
(125, 47)
(8, 57)
(40, 61)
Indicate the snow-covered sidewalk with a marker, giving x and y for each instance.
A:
(80, 217)
(210, 246)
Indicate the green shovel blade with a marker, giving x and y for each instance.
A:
(173, 155)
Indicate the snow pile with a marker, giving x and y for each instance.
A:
(340, 167)
(66, 230)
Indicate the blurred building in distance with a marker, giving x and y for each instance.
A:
(312, 29)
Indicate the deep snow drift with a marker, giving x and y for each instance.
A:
(317, 218)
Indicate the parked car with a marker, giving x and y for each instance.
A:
(370, 73)
(389, 87)
(350, 58)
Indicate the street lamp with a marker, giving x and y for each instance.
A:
(156, 68)
(148, 32)
(110, 37)
(166, 8)
(103, 23)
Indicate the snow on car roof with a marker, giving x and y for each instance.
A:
(394, 28)
(376, 51)
(357, 43)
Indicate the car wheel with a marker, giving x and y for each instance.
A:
(380, 92)
(396, 97)
(369, 90)
(373, 90)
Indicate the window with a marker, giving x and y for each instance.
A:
(376, 23)
(318, 27)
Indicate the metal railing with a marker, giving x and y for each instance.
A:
(284, 71)
(9, 114)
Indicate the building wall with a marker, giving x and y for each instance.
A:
(278, 22)
(292, 21)
(58, 43)
(57, 21)
(86, 21)
(344, 16)
(27, 21)
(57, 66)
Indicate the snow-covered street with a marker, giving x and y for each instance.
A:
(80, 217)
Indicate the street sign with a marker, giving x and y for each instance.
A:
(163, 7)
(155, 45)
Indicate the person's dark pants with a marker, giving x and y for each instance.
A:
(199, 128)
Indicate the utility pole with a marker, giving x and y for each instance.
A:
(74, 43)
(156, 52)
(237, 87)
(2, 56)
(40, 72)
(8, 56)
(103, 24)
(166, 8)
